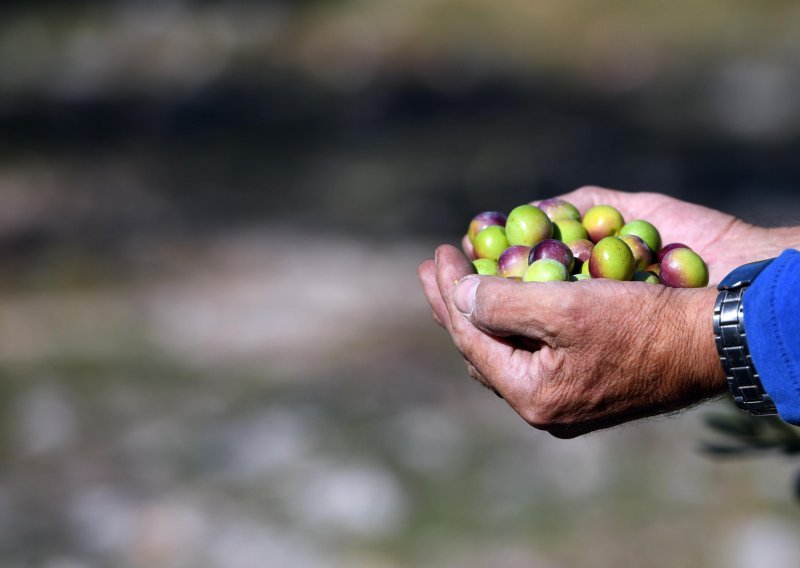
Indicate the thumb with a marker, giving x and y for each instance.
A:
(502, 307)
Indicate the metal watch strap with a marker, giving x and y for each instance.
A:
(729, 333)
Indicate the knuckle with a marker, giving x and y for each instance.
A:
(530, 415)
(545, 414)
(537, 417)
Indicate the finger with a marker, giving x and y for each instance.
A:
(451, 267)
(488, 355)
(503, 308)
(427, 275)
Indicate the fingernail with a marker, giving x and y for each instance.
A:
(464, 294)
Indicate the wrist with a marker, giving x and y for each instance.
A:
(684, 351)
(697, 372)
(702, 344)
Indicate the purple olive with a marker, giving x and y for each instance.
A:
(640, 250)
(581, 250)
(669, 247)
(513, 261)
(483, 220)
(556, 250)
(683, 268)
(611, 258)
(557, 209)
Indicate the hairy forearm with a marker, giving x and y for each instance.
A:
(685, 349)
(700, 342)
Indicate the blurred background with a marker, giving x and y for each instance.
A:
(213, 348)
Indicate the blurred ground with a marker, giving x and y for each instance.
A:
(213, 348)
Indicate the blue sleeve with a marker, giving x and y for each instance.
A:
(772, 323)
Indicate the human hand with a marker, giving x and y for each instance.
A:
(575, 357)
(723, 240)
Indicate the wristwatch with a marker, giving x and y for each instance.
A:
(729, 333)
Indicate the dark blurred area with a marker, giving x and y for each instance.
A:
(334, 114)
(212, 346)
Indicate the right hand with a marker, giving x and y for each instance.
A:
(571, 358)
(724, 241)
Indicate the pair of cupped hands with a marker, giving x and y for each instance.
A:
(573, 357)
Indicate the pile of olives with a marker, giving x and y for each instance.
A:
(552, 242)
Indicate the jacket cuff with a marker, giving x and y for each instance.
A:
(772, 325)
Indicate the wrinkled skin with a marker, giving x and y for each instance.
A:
(571, 358)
